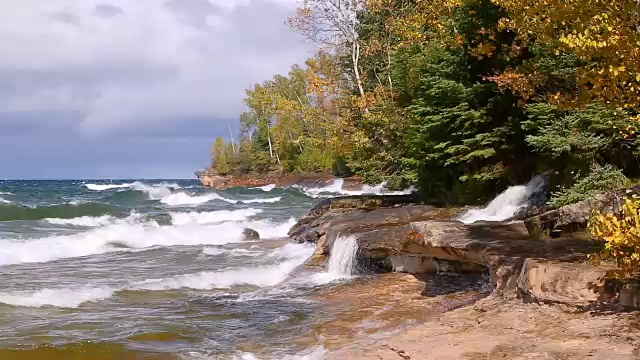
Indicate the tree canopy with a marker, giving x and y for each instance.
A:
(460, 98)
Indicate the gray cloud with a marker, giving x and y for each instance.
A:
(151, 61)
(194, 12)
(107, 11)
(66, 18)
(120, 88)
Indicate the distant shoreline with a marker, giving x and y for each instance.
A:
(278, 179)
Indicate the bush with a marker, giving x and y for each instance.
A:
(600, 179)
(622, 235)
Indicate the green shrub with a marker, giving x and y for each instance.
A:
(600, 179)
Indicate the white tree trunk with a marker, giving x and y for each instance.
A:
(233, 146)
(355, 56)
(270, 145)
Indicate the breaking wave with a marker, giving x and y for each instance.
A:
(208, 217)
(208, 280)
(104, 187)
(10, 212)
(63, 298)
(266, 188)
(94, 221)
(336, 189)
(132, 234)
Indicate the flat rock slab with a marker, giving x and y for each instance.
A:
(494, 329)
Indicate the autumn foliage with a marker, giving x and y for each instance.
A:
(622, 235)
(459, 98)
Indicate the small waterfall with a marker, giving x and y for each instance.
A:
(343, 256)
(508, 203)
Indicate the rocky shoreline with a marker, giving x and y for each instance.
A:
(278, 179)
(539, 278)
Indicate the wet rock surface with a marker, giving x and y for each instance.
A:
(250, 234)
(494, 328)
(544, 294)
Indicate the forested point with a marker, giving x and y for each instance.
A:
(458, 98)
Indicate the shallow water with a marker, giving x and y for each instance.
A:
(159, 270)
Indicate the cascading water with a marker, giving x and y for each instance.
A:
(343, 256)
(508, 203)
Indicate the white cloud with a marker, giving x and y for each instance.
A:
(129, 63)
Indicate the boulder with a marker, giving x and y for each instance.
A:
(250, 234)
(574, 218)
(576, 284)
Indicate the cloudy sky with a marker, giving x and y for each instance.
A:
(130, 88)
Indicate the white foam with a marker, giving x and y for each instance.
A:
(291, 251)
(154, 192)
(335, 189)
(103, 187)
(181, 198)
(507, 204)
(257, 276)
(64, 298)
(208, 217)
(263, 201)
(234, 252)
(88, 221)
(270, 230)
(132, 234)
(4, 201)
(113, 238)
(266, 188)
(95, 221)
(316, 353)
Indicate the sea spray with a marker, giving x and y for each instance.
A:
(103, 187)
(335, 188)
(508, 203)
(343, 256)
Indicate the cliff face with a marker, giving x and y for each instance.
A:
(279, 179)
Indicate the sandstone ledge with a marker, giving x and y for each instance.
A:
(395, 234)
(495, 329)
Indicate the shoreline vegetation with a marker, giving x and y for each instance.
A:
(463, 100)
(460, 99)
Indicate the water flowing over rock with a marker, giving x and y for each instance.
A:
(423, 239)
(513, 202)
(343, 256)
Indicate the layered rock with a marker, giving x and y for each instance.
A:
(403, 236)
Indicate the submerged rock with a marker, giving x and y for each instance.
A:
(250, 234)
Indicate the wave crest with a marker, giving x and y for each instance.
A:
(63, 298)
(10, 212)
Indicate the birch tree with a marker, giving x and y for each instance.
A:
(333, 24)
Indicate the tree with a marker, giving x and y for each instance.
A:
(220, 161)
(333, 24)
(604, 35)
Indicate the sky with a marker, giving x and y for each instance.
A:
(131, 88)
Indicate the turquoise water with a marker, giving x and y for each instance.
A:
(152, 269)
(159, 269)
